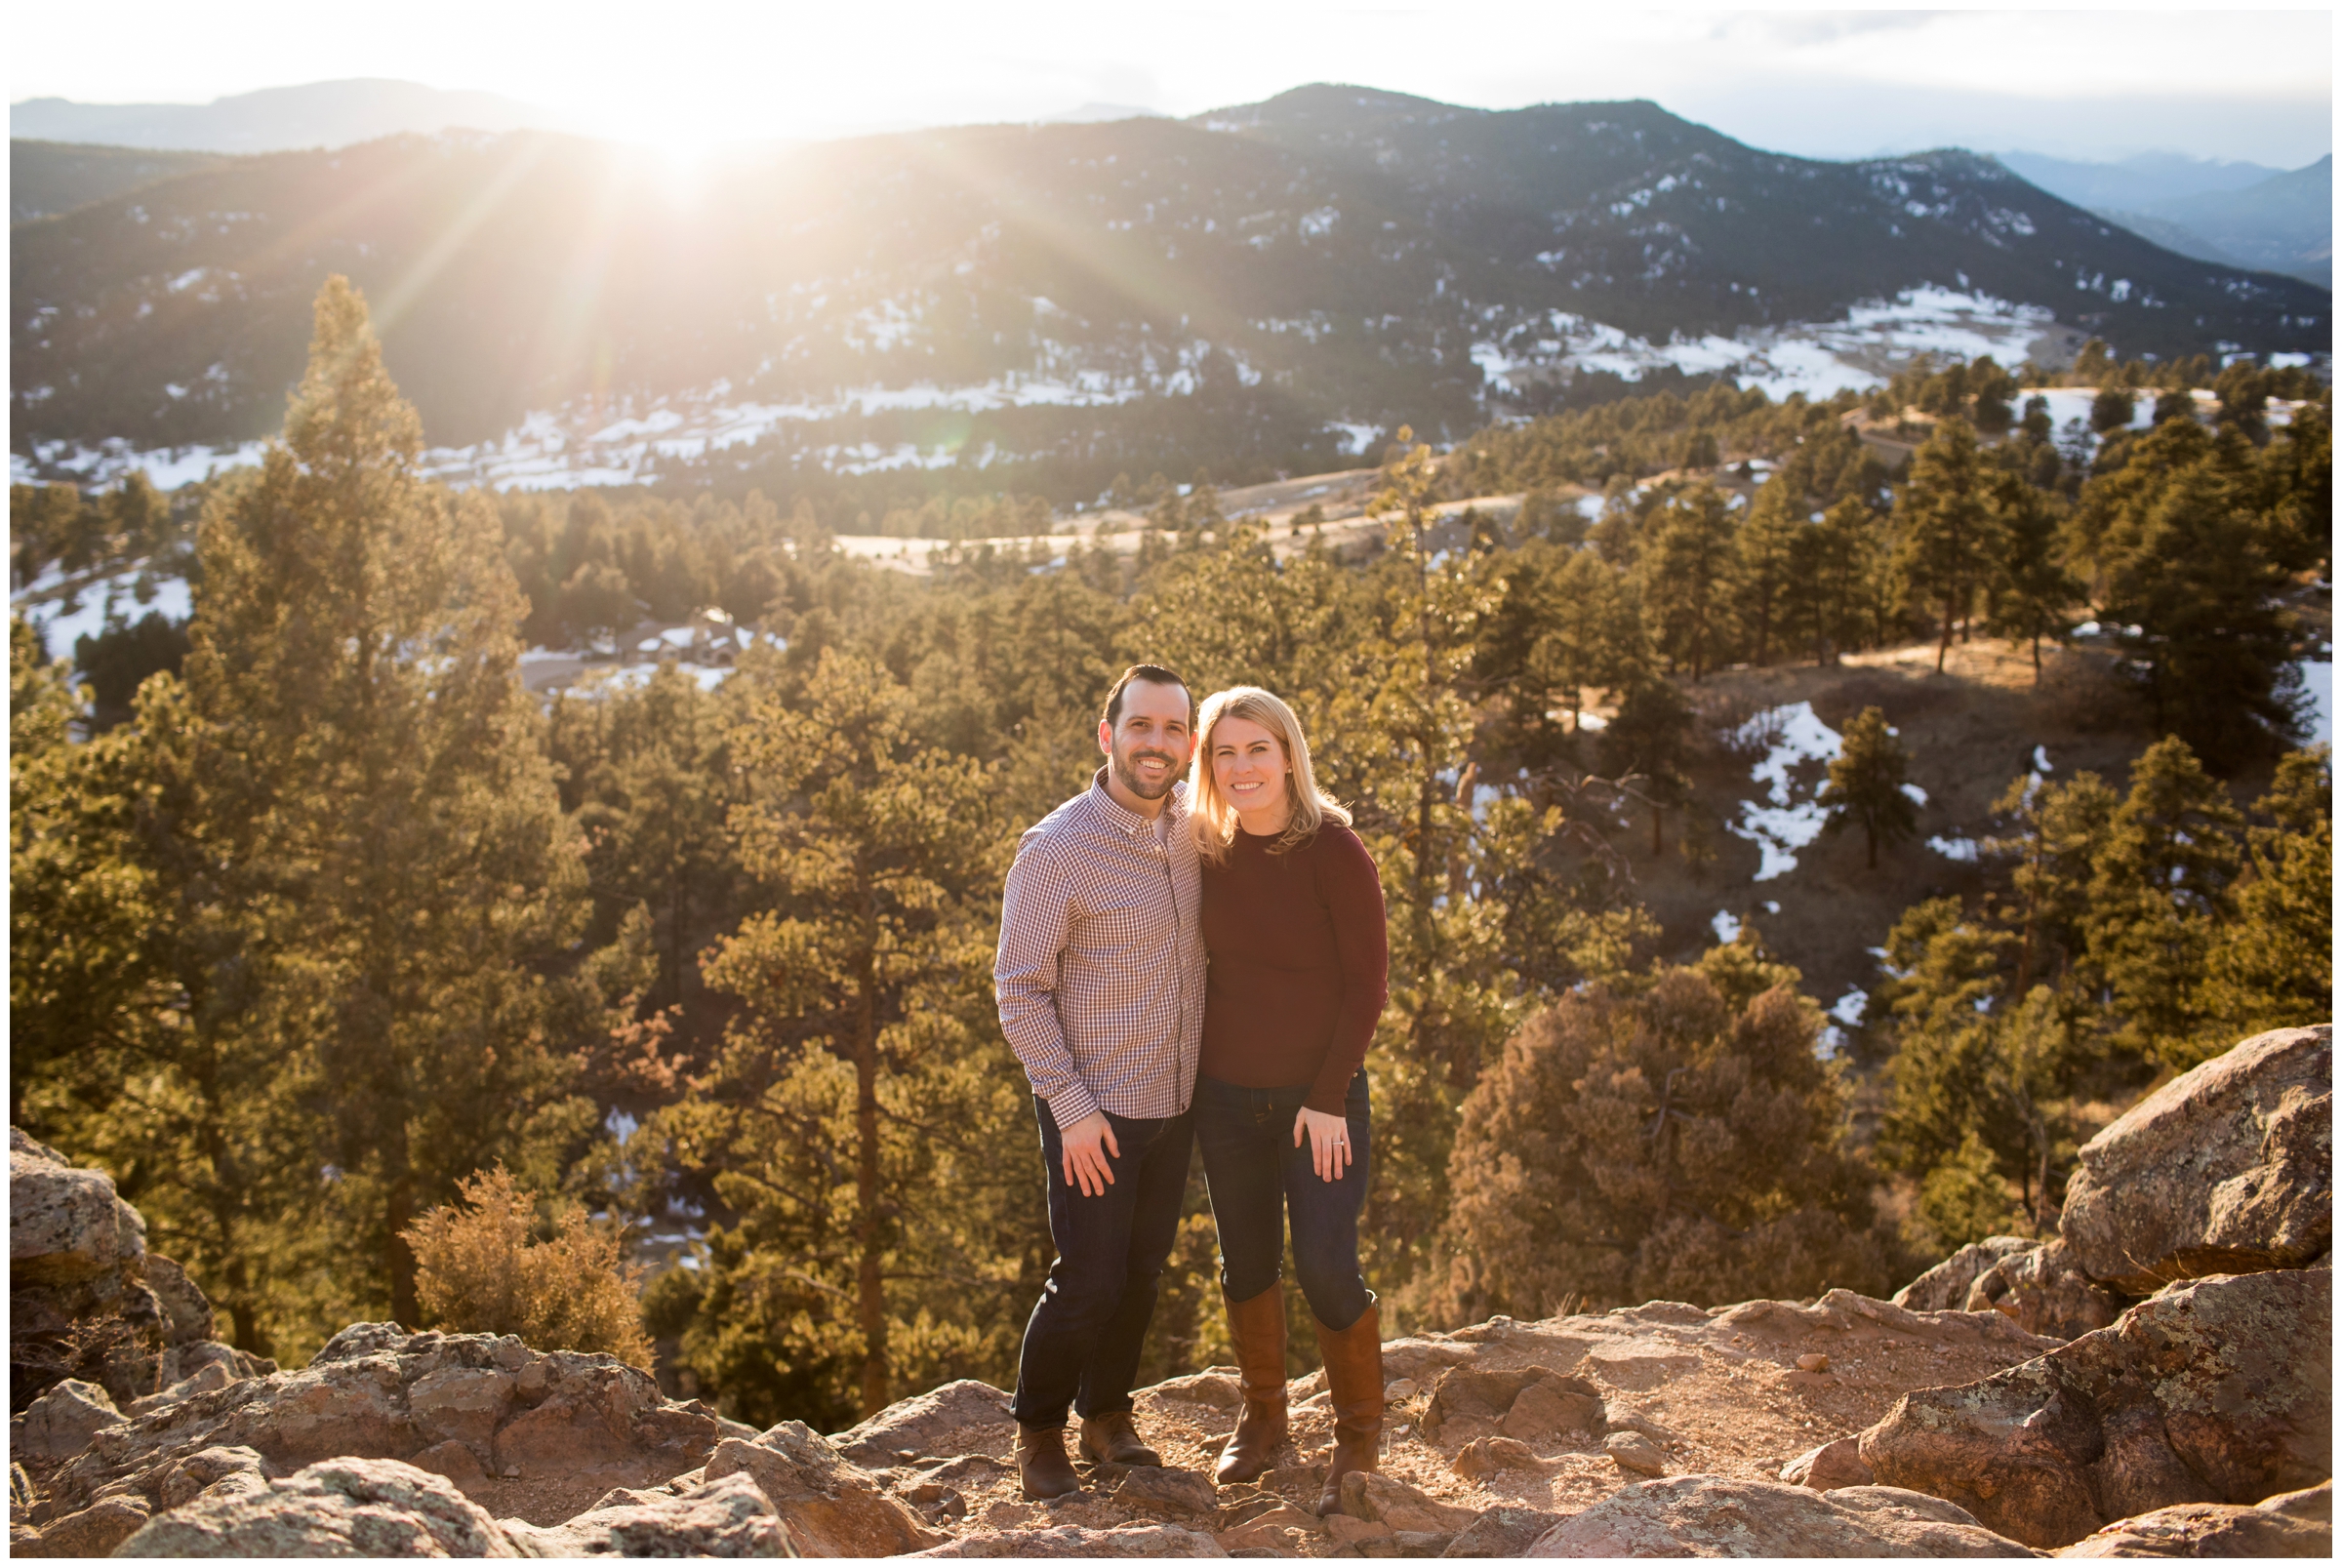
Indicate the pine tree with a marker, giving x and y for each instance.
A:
(1766, 551)
(861, 982)
(1648, 739)
(1675, 1143)
(2159, 888)
(1684, 570)
(1946, 527)
(393, 853)
(2031, 589)
(2060, 829)
(2215, 648)
(1829, 562)
(1866, 785)
(2272, 964)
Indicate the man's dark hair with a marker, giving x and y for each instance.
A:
(1152, 674)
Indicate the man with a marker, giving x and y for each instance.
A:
(1101, 974)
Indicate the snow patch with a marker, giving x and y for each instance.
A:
(1726, 929)
(1953, 849)
(1790, 820)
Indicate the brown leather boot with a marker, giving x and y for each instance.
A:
(1353, 1374)
(1258, 1327)
(1041, 1464)
(1111, 1439)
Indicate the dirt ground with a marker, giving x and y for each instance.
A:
(1721, 1392)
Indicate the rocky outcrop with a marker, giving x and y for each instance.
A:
(1711, 1516)
(2294, 1524)
(832, 1507)
(61, 1423)
(2226, 1168)
(343, 1508)
(2216, 1390)
(376, 1392)
(1945, 1287)
(965, 1416)
(1830, 1466)
(726, 1519)
(2044, 1291)
(87, 1300)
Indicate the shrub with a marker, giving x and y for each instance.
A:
(1683, 1143)
(481, 1268)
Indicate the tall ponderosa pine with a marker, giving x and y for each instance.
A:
(379, 815)
(1825, 599)
(1766, 551)
(2272, 966)
(1947, 527)
(1866, 785)
(1650, 738)
(1684, 567)
(2160, 890)
(2030, 586)
(864, 1079)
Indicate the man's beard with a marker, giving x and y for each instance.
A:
(1126, 770)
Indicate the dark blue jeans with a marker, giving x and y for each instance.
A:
(1256, 1177)
(1082, 1342)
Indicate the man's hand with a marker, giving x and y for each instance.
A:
(1329, 1142)
(1087, 1144)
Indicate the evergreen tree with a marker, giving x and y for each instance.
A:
(1947, 527)
(2060, 829)
(2159, 888)
(1765, 550)
(1648, 741)
(2272, 966)
(855, 1081)
(1684, 572)
(1678, 1143)
(1831, 562)
(2031, 589)
(1866, 785)
(2215, 648)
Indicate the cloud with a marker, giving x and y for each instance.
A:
(1809, 30)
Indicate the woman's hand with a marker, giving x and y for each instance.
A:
(1329, 1142)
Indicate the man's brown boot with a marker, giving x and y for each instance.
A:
(1111, 1439)
(1258, 1327)
(1354, 1376)
(1041, 1464)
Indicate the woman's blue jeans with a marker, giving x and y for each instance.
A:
(1257, 1178)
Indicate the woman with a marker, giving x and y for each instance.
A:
(1293, 920)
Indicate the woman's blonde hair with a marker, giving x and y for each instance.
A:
(1213, 816)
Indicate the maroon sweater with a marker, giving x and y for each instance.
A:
(1301, 965)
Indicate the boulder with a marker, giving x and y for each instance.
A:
(2045, 1291)
(726, 1519)
(832, 1507)
(2293, 1524)
(2226, 1168)
(1501, 1532)
(1830, 1466)
(965, 1416)
(1384, 1498)
(1527, 1403)
(341, 1507)
(65, 1227)
(87, 1299)
(1073, 1540)
(91, 1532)
(1711, 1516)
(376, 1392)
(61, 1423)
(2218, 1391)
(1945, 1287)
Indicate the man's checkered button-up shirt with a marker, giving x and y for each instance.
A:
(1101, 968)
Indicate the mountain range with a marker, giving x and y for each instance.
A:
(1332, 259)
(275, 119)
(2236, 213)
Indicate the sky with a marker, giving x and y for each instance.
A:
(690, 74)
